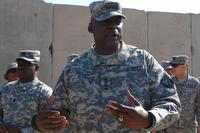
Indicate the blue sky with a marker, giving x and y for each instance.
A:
(179, 6)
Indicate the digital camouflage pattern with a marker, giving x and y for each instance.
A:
(91, 80)
(104, 9)
(189, 94)
(20, 102)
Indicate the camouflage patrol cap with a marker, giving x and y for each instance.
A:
(10, 69)
(179, 59)
(32, 56)
(102, 10)
(71, 57)
(12, 66)
(166, 65)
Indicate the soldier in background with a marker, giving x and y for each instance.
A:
(11, 72)
(71, 57)
(188, 88)
(91, 90)
(23, 98)
(167, 67)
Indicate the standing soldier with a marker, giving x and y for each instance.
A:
(167, 66)
(23, 98)
(71, 57)
(103, 73)
(11, 72)
(188, 88)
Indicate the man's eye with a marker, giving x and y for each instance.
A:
(118, 22)
(103, 23)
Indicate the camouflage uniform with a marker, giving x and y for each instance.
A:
(189, 94)
(91, 80)
(1, 85)
(21, 101)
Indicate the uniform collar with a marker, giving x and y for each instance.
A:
(117, 58)
(24, 85)
(182, 80)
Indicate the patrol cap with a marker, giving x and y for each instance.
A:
(71, 57)
(179, 59)
(10, 69)
(102, 10)
(12, 66)
(166, 65)
(32, 56)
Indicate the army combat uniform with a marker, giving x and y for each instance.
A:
(189, 94)
(91, 80)
(20, 102)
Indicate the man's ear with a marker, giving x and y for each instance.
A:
(37, 67)
(90, 29)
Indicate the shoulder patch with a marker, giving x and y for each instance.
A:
(167, 81)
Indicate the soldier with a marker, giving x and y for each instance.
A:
(188, 88)
(103, 73)
(167, 67)
(23, 98)
(71, 57)
(11, 72)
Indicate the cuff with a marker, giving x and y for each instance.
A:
(33, 124)
(153, 122)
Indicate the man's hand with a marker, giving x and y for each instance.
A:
(50, 121)
(8, 129)
(12, 129)
(3, 128)
(198, 129)
(133, 117)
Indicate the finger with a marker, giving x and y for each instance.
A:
(120, 107)
(115, 110)
(49, 114)
(56, 124)
(132, 99)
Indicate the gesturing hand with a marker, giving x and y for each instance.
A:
(134, 116)
(50, 120)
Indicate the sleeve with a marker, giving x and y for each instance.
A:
(197, 105)
(45, 94)
(1, 108)
(60, 94)
(1, 105)
(165, 103)
(27, 130)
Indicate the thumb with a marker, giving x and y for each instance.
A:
(132, 99)
(49, 103)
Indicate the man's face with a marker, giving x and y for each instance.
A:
(108, 32)
(11, 75)
(180, 70)
(26, 71)
(170, 72)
